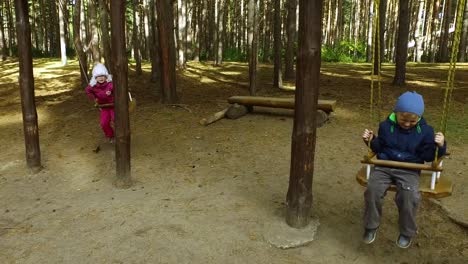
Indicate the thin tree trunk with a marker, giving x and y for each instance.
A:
(299, 198)
(167, 51)
(277, 80)
(54, 31)
(63, 46)
(434, 27)
(380, 48)
(181, 32)
(3, 44)
(251, 45)
(419, 35)
(136, 39)
(94, 42)
(82, 58)
(443, 51)
(120, 70)
(370, 31)
(291, 34)
(154, 47)
(220, 33)
(105, 31)
(26, 82)
(463, 40)
(402, 44)
(11, 27)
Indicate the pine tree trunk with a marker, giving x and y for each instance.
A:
(105, 31)
(135, 36)
(291, 34)
(380, 48)
(63, 46)
(94, 42)
(167, 51)
(370, 31)
(26, 82)
(419, 37)
(11, 27)
(3, 44)
(402, 44)
(154, 47)
(299, 197)
(120, 70)
(181, 13)
(252, 49)
(82, 58)
(464, 36)
(443, 50)
(277, 79)
(434, 26)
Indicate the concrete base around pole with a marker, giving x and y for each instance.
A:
(280, 235)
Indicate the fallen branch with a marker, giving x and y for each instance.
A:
(181, 106)
(211, 119)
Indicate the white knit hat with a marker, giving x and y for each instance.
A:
(99, 70)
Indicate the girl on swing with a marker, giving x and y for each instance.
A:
(406, 137)
(101, 91)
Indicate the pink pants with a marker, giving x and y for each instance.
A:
(107, 118)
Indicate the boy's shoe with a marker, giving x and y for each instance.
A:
(369, 235)
(111, 140)
(404, 241)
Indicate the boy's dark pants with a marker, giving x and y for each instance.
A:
(407, 197)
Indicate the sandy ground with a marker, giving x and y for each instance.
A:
(208, 194)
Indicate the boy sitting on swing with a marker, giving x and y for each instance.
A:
(406, 137)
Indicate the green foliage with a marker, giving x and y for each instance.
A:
(346, 51)
(234, 54)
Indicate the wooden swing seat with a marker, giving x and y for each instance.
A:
(443, 187)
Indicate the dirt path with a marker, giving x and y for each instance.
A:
(204, 194)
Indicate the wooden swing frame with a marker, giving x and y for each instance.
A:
(431, 184)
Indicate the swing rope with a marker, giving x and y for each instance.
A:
(375, 46)
(451, 72)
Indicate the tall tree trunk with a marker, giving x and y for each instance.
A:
(120, 70)
(3, 44)
(402, 44)
(63, 46)
(299, 197)
(167, 51)
(251, 20)
(464, 36)
(82, 58)
(94, 42)
(291, 34)
(104, 10)
(419, 31)
(370, 31)
(54, 31)
(220, 33)
(182, 16)
(434, 27)
(443, 50)
(198, 26)
(11, 27)
(136, 39)
(277, 80)
(380, 48)
(154, 47)
(26, 81)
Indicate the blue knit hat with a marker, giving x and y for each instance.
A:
(410, 102)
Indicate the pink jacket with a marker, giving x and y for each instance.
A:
(99, 92)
